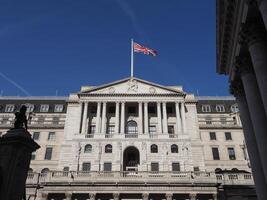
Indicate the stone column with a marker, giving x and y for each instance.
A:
(256, 109)
(145, 196)
(165, 119)
(254, 36)
(146, 117)
(214, 196)
(44, 195)
(85, 111)
(183, 117)
(159, 118)
(122, 117)
(98, 117)
(192, 196)
(237, 89)
(80, 118)
(140, 113)
(116, 196)
(263, 9)
(92, 196)
(168, 196)
(68, 195)
(178, 119)
(104, 119)
(117, 117)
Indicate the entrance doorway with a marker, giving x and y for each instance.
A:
(131, 159)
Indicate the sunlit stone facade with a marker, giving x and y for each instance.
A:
(134, 139)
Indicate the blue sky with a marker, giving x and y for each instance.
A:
(54, 47)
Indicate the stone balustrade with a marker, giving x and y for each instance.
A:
(141, 176)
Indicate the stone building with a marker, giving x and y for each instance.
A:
(242, 54)
(134, 139)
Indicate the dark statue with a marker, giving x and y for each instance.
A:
(21, 119)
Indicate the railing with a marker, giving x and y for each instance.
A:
(89, 135)
(108, 135)
(173, 135)
(130, 135)
(141, 176)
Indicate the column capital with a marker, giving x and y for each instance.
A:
(192, 196)
(44, 195)
(168, 196)
(91, 196)
(145, 196)
(116, 196)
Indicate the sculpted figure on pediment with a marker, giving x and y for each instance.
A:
(132, 85)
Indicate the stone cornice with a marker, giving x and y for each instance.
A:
(129, 95)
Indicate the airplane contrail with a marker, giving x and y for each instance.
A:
(14, 84)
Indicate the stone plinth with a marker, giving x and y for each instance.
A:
(16, 147)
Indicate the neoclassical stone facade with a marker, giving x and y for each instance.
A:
(134, 139)
(242, 54)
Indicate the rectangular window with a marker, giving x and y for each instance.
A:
(51, 136)
(154, 167)
(107, 167)
(215, 153)
(111, 129)
(86, 166)
(44, 108)
(175, 167)
(36, 135)
(196, 169)
(48, 153)
(33, 155)
(205, 108)
(228, 136)
(152, 130)
(58, 108)
(212, 136)
(92, 129)
(152, 109)
(231, 153)
(131, 110)
(9, 108)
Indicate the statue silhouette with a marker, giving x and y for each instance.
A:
(21, 119)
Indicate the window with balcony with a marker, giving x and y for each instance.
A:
(152, 130)
(10, 108)
(231, 153)
(51, 136)
(131, 129)
(171, 131)
(108, 148)
(44, 108)
(154, 167)
(86, 166)
(58, 108)
(48, 153)
(88, 148)
(220, 108)
(213, 136)
(176, 167)
(107, 167)
(228, 136)
(92, 129)
(205, 108)
(215, 153)
(36, 135)
(154, 148)
(111, 130)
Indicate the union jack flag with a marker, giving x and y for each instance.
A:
(141, 49)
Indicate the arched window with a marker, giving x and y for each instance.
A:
(88, 148)
(108, 148)
(154, 148)
(174, 148)
(45, 171)
(131, 128)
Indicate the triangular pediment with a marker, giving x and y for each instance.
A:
(132, 85)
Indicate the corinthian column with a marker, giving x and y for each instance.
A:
(183, 117)
(263, 9)
(85, 111)
(178, 119)
(104, 119)
(159, 117)
(140, 113)
(117, 117)
(146, 117)
(122, 117)
(236, 88)
(165, 119)
(98, 117)
(256, 108)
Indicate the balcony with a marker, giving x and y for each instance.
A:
(90, 135)
(131, 135)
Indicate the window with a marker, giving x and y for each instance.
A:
(215, 153)
(131, 128)
(208, 120)
(154, 148)
(48, 153)
(196, 169)
(111, 129)
(152, 130)
(205, 108)
(228, 136)
(174, 148)
(51, 136)
(154, 167)
(223, 120)
(107, 167)
(175, 167)
(169, 109)
(111, 109)
(44, 108)
(91, 129)
(36, 135)
(55, 120)
(131, 110)
(234, 108)
(33, 155)
(66, 171)
(58, 108)
(86, 166)
(220, 108)
(30, 107)
(9, 108)
(152, 109)
(88, 148)
(108, 148)
(231, 153)
(212, 136)
(171, 130)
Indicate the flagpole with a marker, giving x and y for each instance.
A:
(132, 57)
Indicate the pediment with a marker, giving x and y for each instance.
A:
(132, 86)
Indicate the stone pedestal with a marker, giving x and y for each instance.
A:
(16, 147)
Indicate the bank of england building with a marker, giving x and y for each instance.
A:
(134, 139)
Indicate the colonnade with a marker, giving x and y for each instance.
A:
(143, 117)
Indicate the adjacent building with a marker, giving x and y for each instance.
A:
(134, 139)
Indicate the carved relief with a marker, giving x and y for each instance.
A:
(111, 90)
(152, 90)
(132, 85)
